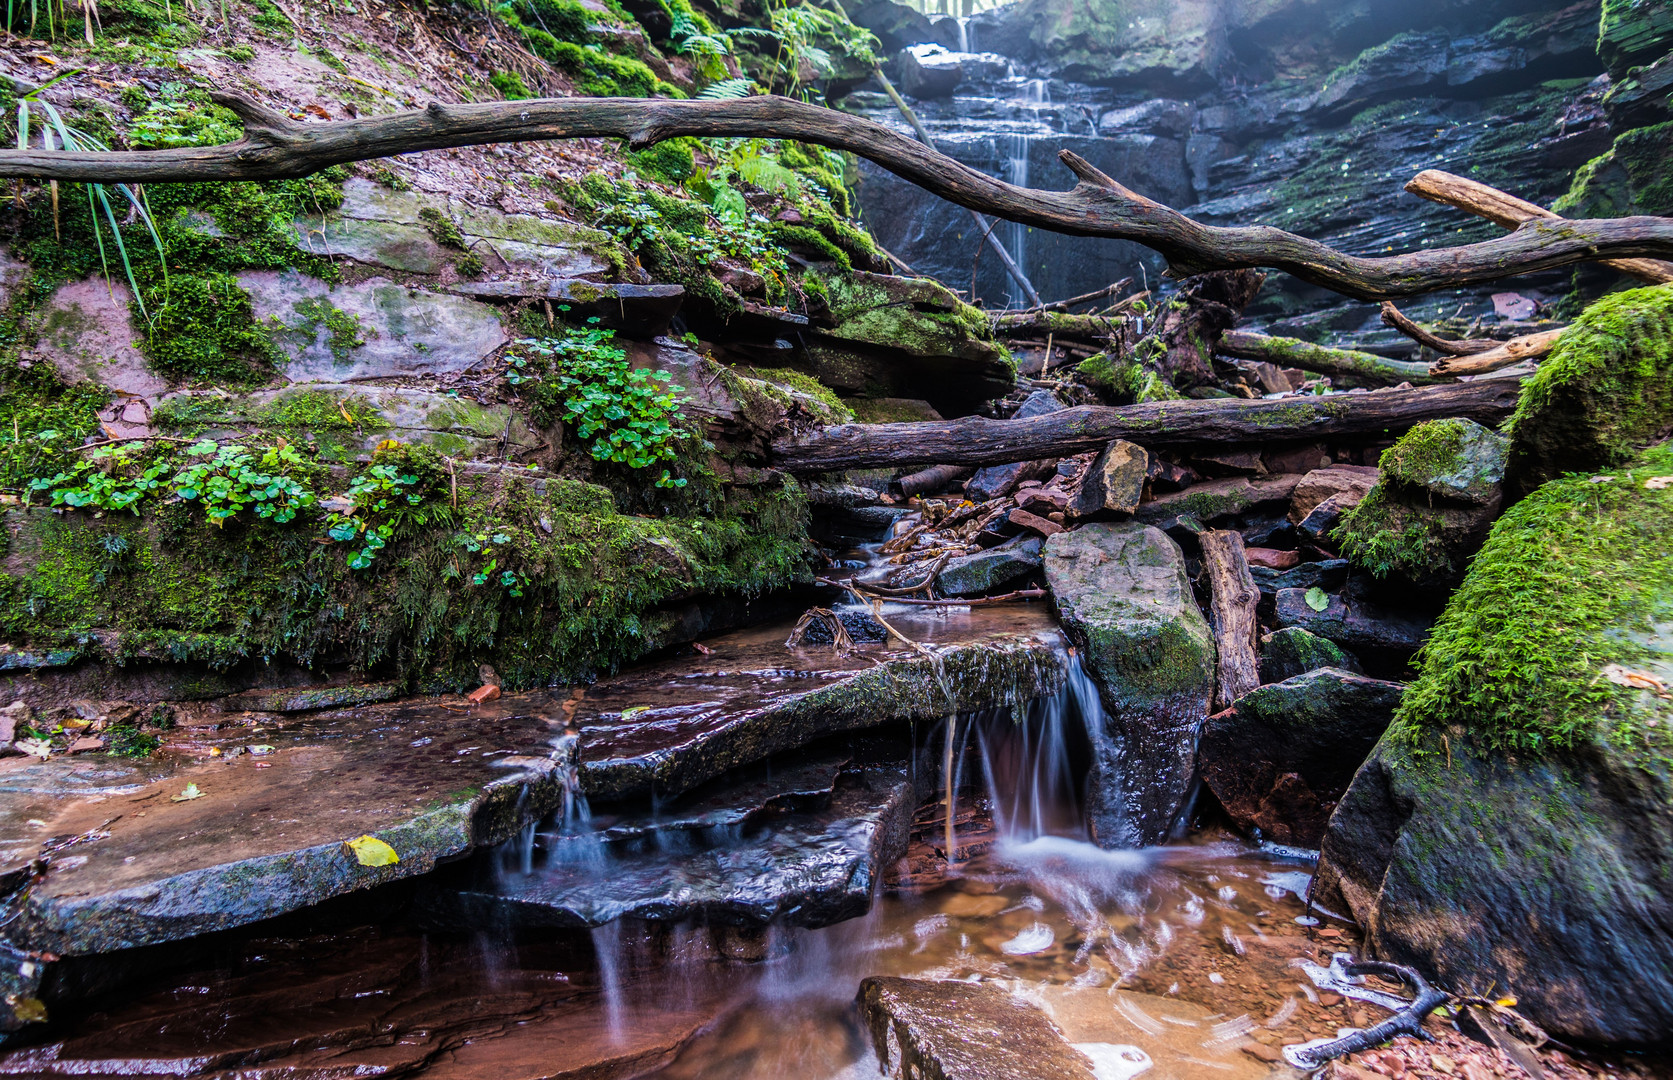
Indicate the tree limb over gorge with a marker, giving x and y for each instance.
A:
(276, 147)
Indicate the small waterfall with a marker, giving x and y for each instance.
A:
(1036, 91)
(1016, 171)
(1029, 768)
(964, 45)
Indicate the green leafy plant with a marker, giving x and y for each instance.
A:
(488, 545)
(109, 478)
(226, 480)
(625, 415)
(385, 500)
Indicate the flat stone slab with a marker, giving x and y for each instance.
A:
(641, 310)
(810, 868)
(665, 728)
(944, 1030)
(268, 832)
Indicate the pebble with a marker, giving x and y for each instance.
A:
(1442, 1063)
(1329, 1000)
(1268, 1054)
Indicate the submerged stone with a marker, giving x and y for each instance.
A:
(946, 1030)
(1283, 754)
(1124, 598)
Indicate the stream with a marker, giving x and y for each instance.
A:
(723, 933)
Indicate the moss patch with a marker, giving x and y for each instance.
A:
(1606, 389)
(1575, 577)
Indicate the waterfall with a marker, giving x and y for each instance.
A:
(964, 34)
(1016, 171)
(1029, 768)
(1037, 91)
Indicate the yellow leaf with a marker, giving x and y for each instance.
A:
(370, 851)
(191, 792)
(28, 1009)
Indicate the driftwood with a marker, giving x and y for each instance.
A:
(1076, 301)
(1508, 354)
(1408, 1021)
(276, 147)
(1507, 210)
(934, 478)
(1323, 360)
(975, 440)
(978, 601)
(1235, 626)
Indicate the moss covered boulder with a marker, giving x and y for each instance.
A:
(1633, 32)
(1292, 651)
(1123, 596)
(1439, 490)
(1605, 391)
(1514, 827)
(1634, 177)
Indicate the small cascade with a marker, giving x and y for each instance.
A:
(964, 42)
(1036, 91)
(1029, 769)
(1017, 147)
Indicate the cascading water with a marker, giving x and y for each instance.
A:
(1016, 171)
(964, 42)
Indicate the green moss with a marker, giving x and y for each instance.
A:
(510, 85)
(1577, 576)
(203, 329)
(33, 404)
(342, 329)
(1389, 538)
(1606, 389)
(1633, 32)
(1125, 382)
(809, 242)
(590, 588)
(1427, 450)
(670, 160)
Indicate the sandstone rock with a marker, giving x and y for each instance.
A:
(1356, 624)
(1292, 651)
(1123, 597)
(1633, 33)
(395, 330)
(1114, 483)
(1218, 499)
(307, 699)
(1283, 754)
(964, 1031)
(990, 570)
(85, 331)
(1158, 116)
(1319, 526)
(1329, 575)
(642, 311)
(996, 481)
(1320, 484)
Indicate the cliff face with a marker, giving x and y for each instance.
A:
(1302, 114)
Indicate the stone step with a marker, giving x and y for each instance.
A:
(644, 311)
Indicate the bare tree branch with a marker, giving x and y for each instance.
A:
(277, 147)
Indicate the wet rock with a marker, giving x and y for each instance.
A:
(1152, 44)
(1292, 651)
(265, 837)
(1123, 597)
(943, 1030)
(990, 570)
(1329, 575)
(1114, 483)
(861, 626)
(1281, 756)
(1632, 33)
(853, 526)
(1354, 623)
(1515, 830)
(811, 868)
(897, 26)
(1439, 494)
(373, 329)
(1217, 500)
(307, 699)
(928, 71)
(643, 733)
(997, 481)
(1320, 484)
(1158, 116)
(1319, 526)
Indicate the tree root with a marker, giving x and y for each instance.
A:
(1408, 1021)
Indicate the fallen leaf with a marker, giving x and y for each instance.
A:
(189, 794)
(702, 648)
(40, 748)
(1659, 483)
(28, 1009)
(1317, 598)
(260, 750)
(370, 851)
(317, 110)
(1637, 680)
(635, 711)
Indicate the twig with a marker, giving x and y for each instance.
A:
(1393, 316)
(980, 601)
(1065, 305)
(1506, 354)
(1408, 1021)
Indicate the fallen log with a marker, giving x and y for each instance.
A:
(933, 478)
(275, 147)
(1058, 324)
(1512, 352)
(1393, 316)
(1234, 599)
(976, 440)
(1507, 210)
(1324, 360)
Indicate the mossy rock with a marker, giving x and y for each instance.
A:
(1514, 827)
(1634, 32)
(1292, 651)
(1635, 177)
(1605, 391)
(1438, 493)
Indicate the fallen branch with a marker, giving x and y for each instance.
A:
(1235, 597)
(1393, 316)
(1058, 324)
(276, 147)
(1408, 1021)
(975, 440)
(1322, 359)
(980, 601)
(1512, 352)
(1074, 301)
(1512, 213)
